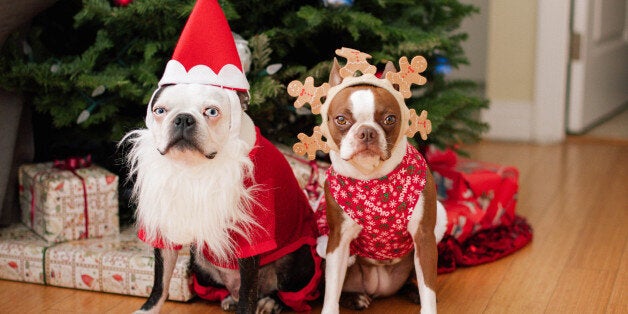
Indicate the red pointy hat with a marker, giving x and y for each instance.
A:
(206, 52)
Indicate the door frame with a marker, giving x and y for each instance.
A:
(553, 32)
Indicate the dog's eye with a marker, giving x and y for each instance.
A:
(341, 120)
(159, 111)
(212, 112)
(390, 120)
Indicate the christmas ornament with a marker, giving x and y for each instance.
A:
(338, 3)
(122, 3)
(442, 65)
(244, 52)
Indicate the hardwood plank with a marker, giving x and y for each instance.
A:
(618, 302)
(469, 290)
(582, 291)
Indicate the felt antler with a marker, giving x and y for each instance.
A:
(408, 74)
(419, 124)
(310, 144)
(356, 61)
(308, 93)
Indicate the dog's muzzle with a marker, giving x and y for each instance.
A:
(183, 133)
(184, 124)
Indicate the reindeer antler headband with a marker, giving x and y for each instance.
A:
(357, 61)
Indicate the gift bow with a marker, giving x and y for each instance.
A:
(73, 163)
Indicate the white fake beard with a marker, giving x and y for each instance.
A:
(203, 204)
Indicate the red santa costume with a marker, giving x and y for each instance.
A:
(274, 237)
(206, 54)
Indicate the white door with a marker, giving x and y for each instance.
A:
(598, 84)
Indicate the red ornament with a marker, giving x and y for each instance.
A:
(122, 3)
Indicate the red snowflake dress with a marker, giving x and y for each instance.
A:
(381, 206)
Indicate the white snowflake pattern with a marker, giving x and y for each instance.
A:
(393, 203)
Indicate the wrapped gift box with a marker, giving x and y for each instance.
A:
(22, 254)
(61, 204)
(309, 173)
(119, 264)
(477, 195)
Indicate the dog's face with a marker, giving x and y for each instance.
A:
(191, 122)
(364, 123)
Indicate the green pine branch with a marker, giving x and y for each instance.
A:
(77, 47)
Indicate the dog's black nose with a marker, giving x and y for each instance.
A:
(184, 121)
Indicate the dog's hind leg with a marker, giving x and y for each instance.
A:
(165, 261)
(288, 281)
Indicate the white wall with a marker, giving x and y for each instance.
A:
(476, 26)
(519, 49)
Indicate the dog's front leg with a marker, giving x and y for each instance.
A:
(342, 230)
(421, 226)
(249, 281)
(425, 266)
(165, 260)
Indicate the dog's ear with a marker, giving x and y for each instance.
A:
(390, 67)
(244, 99)
(334, 74)
(155, 96)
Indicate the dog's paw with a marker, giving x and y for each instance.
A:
(268, 305)
(410, 291)
(229, 304)
(355, 301)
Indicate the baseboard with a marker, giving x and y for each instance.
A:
(509, 120)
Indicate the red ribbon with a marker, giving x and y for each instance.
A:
(70, 164)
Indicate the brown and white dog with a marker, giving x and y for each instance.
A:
(364, 123)
(204, 176)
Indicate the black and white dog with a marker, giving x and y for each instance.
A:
(205, 176)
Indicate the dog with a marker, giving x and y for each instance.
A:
(205, 176)
(371, 251)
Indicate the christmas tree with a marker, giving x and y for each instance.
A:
(91, 65)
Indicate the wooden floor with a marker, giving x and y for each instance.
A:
(575, 196)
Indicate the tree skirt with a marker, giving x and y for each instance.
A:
(484, 246)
